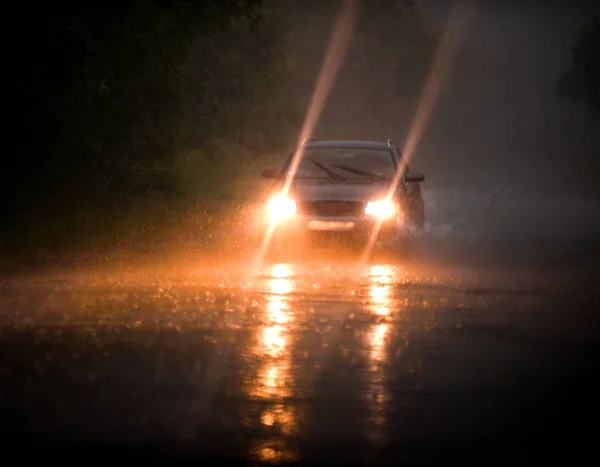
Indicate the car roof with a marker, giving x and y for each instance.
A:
(346, 143)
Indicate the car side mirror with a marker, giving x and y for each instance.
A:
(414, 177)
(269, 173)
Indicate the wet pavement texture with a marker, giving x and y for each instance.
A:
(463, 358)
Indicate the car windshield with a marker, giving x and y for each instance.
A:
(346, 164)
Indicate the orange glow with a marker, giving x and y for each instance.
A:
(280, 207)
(280, 285)
(278, 309)
(377, 341)
(272, 379)
(382, 209)
(273, 382)
(380, 290)
(274, 341)
(281, 271)
(282, 415)
(382, 273)
(274, 452)
(377, 393)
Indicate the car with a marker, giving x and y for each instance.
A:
(342, 190)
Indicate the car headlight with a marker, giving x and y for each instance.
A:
(383, 209)
(280, 207)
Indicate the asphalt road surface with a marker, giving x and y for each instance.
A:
(468, 354)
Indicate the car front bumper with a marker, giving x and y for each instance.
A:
(356, 228)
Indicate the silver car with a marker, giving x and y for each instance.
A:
(341, 191)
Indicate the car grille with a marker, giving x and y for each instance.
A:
(328, 208)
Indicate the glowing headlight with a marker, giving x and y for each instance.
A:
(383, 209)
(280, 207)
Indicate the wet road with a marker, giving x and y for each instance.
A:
(468, 357)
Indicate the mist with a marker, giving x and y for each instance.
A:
(498, 121)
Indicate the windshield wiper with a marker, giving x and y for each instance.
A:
(332, 174)
(359, 172)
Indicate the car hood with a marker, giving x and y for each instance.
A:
(339, 191)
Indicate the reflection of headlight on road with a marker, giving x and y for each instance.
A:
(383, 209)
(280, 207)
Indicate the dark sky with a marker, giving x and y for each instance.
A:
(499, 120)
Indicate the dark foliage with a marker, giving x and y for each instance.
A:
(581, 83)
(109, 96)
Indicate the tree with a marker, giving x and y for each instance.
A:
(581, 83)
(109, 97)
